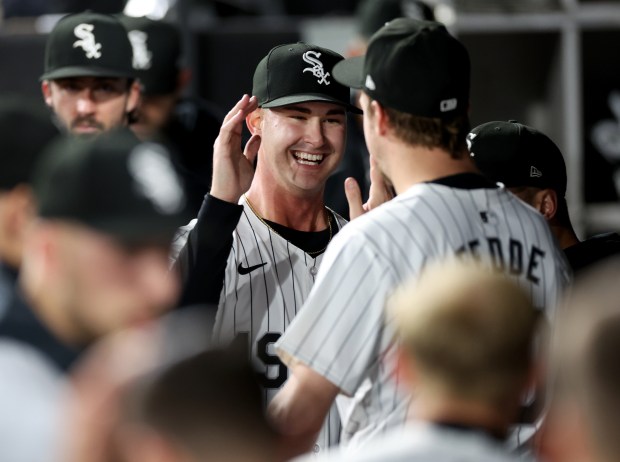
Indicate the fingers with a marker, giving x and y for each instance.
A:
(251, 148)
(241, 104)
(233, 122)
(354, 198)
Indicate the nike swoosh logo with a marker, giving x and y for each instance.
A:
(249, 269)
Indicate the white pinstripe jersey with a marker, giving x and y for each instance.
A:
(266, 282)
(342, 333)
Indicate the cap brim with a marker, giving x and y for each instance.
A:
(350, 72)
(309, 97)
(83, 71)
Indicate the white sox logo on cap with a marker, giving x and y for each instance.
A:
(87, 40)
(141, 54)
(317, 69)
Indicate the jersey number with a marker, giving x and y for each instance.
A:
(262, 351)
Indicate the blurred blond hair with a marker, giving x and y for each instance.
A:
(468, 329)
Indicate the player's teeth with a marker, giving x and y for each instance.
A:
(308, 156)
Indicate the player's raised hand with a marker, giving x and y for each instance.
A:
(233, 169)
(379, 193)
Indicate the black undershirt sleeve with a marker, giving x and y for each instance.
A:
(202, 261)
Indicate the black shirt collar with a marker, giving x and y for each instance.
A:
(465, 181)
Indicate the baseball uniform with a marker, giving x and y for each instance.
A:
(257, 278)
(342, 332)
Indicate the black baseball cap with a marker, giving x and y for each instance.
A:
(517, 155)
(25, 130)
(156, 53)
(297, 73)
(373, 14)
(88, 45)
(412, 66)
(114, 184)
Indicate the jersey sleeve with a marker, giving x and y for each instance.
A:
(338, 331)
(202, 261)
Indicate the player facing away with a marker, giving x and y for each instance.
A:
(260, 236)
(415, 96)
(466, 336)
(532, 167)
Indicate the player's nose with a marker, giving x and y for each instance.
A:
(314, 134)
(85, 103)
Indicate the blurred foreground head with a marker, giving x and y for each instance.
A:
(466, 334)
(97, 258)
(205, 408)
(582, 424)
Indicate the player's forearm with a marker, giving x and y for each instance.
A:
(296, 422)
(300, 408)
(206, 252)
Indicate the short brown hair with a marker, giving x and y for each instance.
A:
(430, 132)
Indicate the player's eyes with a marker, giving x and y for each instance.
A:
(335, 121)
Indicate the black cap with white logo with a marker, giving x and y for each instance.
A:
(156, 53)
(88, 45)
(297, 73)
(114, 184)
(412, 66)
(517, 155)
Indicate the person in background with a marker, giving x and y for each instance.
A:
(189, 125)
(532, 167)
(88, 80)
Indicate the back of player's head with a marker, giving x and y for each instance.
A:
(468, 329)
(412, 66)
(113, 184)
(517, 155)
(420, 74)
(585, 363)
(296, 73)
(88, 45)
(156, 53)
(210, 403)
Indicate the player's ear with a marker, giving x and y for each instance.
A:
(547, 201)
(134, 96)
(254, 121)
(406, 371)
(47, 92)
(381, 117)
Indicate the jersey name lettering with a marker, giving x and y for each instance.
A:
(515, 261)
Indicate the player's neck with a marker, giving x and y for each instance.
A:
(408, 166)
(303, 213)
